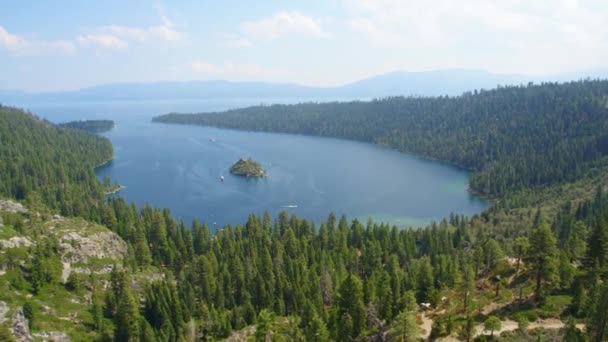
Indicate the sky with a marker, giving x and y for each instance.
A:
(51, 45)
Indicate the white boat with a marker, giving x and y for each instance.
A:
(222, 178)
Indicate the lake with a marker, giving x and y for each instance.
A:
(179, 167)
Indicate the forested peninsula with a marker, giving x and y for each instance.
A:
(93, 126)
(532, 267)
(513, 138)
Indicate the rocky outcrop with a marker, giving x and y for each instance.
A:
(20, 327)
(15, 242)
(12, 207)
(54, 336)
(76, 247)
(3, 311)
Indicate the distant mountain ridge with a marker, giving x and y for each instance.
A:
(424, 83)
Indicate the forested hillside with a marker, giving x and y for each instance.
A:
(524, 274)
(56, 163)
(93, 126)
(512, 137)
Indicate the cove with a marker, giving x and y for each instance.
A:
(179, 167)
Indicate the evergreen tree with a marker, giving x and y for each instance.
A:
(492, 324)
(572, 334)
(520, 245)
(597, 246)
(405, 327)
(264, 326)
(315, 329)
(127, 318)
(597, 327)
(542, 255)
(350, 303)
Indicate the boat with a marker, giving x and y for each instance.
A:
(222, 178)
(212, 139)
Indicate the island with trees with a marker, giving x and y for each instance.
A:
(248, 168)
(92, 126)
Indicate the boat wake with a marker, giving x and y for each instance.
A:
(195, 141)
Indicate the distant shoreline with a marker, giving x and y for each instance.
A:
(104, 163)
(114, 190)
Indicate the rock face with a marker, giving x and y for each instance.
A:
(16, 241)
(55, 336)
(12, 207)
(75, 247)
(21, 329)
(3, 311)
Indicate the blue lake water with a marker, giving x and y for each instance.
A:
(179, 167)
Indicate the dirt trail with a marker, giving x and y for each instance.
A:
(426, 326)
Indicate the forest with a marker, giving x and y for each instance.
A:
(287, 278)
(37, 157)
(513, 138)
(93, 126)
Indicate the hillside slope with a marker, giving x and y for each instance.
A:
(57, 164)
(50, 267)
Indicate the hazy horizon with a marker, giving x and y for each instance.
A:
(56, 46)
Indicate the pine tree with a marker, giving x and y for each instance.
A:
(345, 328)
(468, 286)
(520, 246)
(597, 327)
(127, 318)
(316, 330)
(572, 334)
(426, 284)
(143, 257)
(492, 324)
(597, 245)
(405, 327)
(542, 254)
(264, 326)
(350, 303)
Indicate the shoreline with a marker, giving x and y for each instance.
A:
(104, 163)
(114, 190)
(490, 199)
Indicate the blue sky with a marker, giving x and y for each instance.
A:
(58, 45)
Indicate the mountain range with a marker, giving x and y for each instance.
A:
(425, 83)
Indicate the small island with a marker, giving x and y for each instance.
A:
(248, 168)
(92, 126)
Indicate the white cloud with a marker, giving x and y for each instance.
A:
(283, 23)
(20, 45)
(373, 32)
(235, 41)
(119, 37)
(278, 25)
(11, 41)
(126, 32)
(506, 35)
(102, 40)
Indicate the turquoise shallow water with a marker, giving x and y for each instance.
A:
(179, 167)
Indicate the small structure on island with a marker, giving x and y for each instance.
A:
(248, 168)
